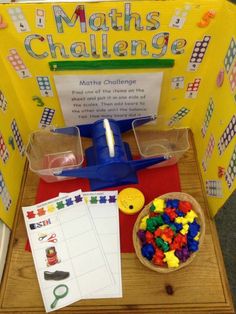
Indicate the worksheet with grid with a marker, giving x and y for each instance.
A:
(67, 252)
(105, 214)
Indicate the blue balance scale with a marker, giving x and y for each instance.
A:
(109, 159)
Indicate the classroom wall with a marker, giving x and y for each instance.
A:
(35, 34)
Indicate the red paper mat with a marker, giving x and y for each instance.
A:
(152, 182)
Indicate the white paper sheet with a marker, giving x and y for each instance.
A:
(87, 98)
(76, 249)
(105, 214)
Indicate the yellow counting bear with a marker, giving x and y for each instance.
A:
(171, 259)
(190, 216)
(181, 220)
(143, 223)
(159, 205)
(184, 230)
(197, 236)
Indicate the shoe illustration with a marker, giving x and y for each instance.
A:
(56, 275)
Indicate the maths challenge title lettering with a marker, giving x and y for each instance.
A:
(104, 35)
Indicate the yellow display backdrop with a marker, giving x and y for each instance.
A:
(198, 92)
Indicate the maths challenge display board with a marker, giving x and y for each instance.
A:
(48, 49)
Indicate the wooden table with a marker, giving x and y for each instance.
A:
(202, 287)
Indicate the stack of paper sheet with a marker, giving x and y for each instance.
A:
(75, 244)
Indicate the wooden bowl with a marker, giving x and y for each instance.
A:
(200, 219)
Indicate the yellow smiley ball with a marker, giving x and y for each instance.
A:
(130, 200)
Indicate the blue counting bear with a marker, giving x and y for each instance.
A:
(148, 251)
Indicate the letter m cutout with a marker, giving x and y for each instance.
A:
(60, 16)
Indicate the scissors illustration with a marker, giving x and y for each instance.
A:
(52, 238)
(48, 238)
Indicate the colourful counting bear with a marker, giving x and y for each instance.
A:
(170, 233)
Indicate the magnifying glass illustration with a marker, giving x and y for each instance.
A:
(59, 292)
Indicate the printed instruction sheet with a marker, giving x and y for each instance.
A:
(87, 98)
